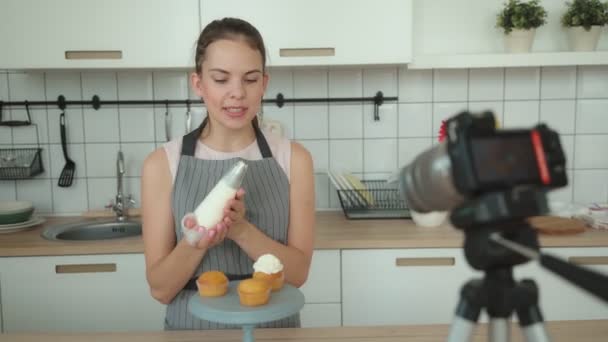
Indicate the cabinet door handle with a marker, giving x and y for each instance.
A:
(424, 261)
(92, 54)
(307, 52)
(589, 260)
(85, 268)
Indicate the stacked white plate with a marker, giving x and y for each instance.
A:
(17, 227)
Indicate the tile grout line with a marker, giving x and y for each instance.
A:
(84, 147)
(572, 189)
(504, 97)
(363, 138)
(540, 91)
(10, 116)
(397, 121)
(48, 133)
(328, 188)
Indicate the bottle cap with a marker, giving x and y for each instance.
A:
(234, 177)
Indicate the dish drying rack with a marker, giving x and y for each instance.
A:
(376, 200)
(20, 163)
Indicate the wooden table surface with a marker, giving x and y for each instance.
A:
(333, 231)
(563, 331)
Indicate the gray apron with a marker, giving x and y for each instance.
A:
(267, 202)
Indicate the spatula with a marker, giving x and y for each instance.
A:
(67, 174)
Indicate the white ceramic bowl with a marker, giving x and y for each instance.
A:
(15, 211)
(429, 220)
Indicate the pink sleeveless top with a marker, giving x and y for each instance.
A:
(280, 147)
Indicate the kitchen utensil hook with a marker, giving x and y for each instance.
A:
(378, 100)
(167, 121)
(61, 102)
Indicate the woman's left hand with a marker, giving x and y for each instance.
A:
(234, 215)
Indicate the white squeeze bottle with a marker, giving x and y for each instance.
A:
(211, 210)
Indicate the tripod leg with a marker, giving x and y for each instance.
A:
(467, 312)
(499, 330)
(530, 317)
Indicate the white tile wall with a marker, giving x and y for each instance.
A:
(346, 121)
(345, 155)
(592, 82)
(558, 83)
(591, 116)
(521, 114)
(559, 115)
(380, 79)
(450, 85)
(415, 119)
(346, 83)
(311, 121)
(486, 84)
(572, 100)
(522, 83)
(415, 85)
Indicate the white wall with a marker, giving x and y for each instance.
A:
(573, 100)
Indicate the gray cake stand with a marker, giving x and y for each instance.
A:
(228, 310)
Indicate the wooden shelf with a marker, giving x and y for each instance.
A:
(500, 60)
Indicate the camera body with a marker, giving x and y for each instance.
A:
(486, 160)
(477, 159)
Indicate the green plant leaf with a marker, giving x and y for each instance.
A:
(521, 15)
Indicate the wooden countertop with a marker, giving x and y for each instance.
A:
(564, 331)
(333, 231)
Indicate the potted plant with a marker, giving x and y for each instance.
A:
(519, 21)
(584, 20)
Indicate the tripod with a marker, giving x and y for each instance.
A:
(498, 292)
(497, 237)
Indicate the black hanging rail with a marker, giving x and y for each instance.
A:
(280, 101)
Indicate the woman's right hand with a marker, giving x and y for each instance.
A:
(210, 237)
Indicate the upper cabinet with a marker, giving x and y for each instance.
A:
(463, 34)
(317, 32)
(63, 34)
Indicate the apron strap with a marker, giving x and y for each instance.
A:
(189, 141)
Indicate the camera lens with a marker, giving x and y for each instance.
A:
(426, 183)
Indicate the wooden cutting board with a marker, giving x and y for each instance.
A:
(554, 225)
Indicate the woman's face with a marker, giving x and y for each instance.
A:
(232, 82)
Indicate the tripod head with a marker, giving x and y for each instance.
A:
(503, 212)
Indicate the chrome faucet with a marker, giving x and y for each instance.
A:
(121, 202)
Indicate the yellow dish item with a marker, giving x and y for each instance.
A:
(359, 187)
(253, 292)
(212, 284)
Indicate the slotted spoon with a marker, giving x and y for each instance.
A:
(67, 174)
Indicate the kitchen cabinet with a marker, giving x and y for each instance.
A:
(64, 34)
(402, 286)
(1, 316)
(425, 289)
(321, 315)
(449, 34)
(560, 299)
(322, 291)
(317, 32)
(78, 293)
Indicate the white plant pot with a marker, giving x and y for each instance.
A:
(583, 40)
(519, 41)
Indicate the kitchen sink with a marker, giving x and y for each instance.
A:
(92, 230)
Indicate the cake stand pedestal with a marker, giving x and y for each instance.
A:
(228, 310)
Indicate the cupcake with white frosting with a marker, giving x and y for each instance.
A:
(269, 268)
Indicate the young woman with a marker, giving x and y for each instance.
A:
(272, 213)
